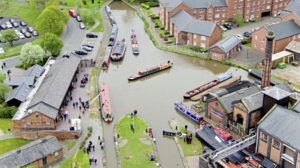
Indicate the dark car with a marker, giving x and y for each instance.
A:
(15, 24)
(91, 35)
(78, 19)
(88, 45)
(246, 34)
(23, 31)
(3, 26)
(11, 20)
(27, 35)
(30, 29)
(22, 23)
(81, 52)
(35, 33)
(1, 17)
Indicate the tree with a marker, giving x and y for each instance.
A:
(51, 22)
(64, 16)
(9, 36)
(32, 54)
(3, 91)
(239, 19)
(52, 43)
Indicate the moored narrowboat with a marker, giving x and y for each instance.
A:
(106, 111)
(188, 112)
(134, 43)
(106, 59)
(118, 52)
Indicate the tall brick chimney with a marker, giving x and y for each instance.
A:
(267, 66)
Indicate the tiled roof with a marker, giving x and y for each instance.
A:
(253, 102)
(20, 93)
(284, 29)
(227, 44)
(293, 46)
(276, 93)
(35, 70)
(19, 80)
(30, 152)
(294, 6)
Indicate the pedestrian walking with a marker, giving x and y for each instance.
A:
(4, 64)
(2, 67)
(80, 99)
(135, 112)
(132, 127)
(74, 105)
(95, 161)
(79, 108)
(93, 147)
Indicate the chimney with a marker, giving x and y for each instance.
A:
(267, 66)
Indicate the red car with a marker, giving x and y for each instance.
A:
(72, 13)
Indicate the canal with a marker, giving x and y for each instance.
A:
(153, 96)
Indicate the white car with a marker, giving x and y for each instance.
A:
(224, 28)
(9, 25)
(81, 25)
(239, 36)
(18, 33)
(1, 51)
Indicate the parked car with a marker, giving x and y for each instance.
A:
(35, 33)
(91, 35)
(1, 17)
(247, 34)
(11, 20)
(27, 35)
(3, 26)
(228, 25)
(223, 28)
(30, 29)
(239, 36)
(9, 25)
(23, 31)
(81, 25)
(72, 13)
(78, 19)
(22, 23)
(85, 48)
(21, 36)
(88, 45)
(81, 52)
(15, 24)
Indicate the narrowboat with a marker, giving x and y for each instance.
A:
(188, 112)
(106, 59)
(113, 35)
(134, 43)
(118, 51)
(258, 75)
(221, 78)
(106, 111)
(151, 70)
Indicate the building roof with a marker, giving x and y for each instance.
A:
(218, 3)
(276, 93)
(281, 54)
(283, 124)
(18, 80)
(228, 99)
(187, 23)
(30, 152)
(293, 6)
(171, 4)
(35, 70)
(52, 90)
(253, 102)
(297, 107)
(194, 4)
(20, 93)
(293, 46)
(285, 86)
(197, 4)
(280, 29)
(227, 43)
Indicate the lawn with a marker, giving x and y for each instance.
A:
(10, 144)
(92, 86)
(193, 149)
(79, 159)
(5, 124)
(69, 144)
(134, 154)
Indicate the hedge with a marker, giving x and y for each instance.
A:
(152, 4)
(7, 111)
(145, 6)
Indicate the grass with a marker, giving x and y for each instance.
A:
(79, 159)
(94, 115)
(92, 85)
(193, 149)
(134, 154)
(5, 124)
(11, 144)
(69, 144)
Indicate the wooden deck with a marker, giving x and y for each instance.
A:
(227, 82)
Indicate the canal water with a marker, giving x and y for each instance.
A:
(153, 96)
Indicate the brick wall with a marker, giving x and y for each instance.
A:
(213, 107)
(298, 161)
(60, 135)
(275, 153)
(259, 39)
(216, 36)
(50, 159)
(262, 146)
(216, 54)
(237, 110)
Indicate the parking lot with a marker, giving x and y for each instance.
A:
(5, 21)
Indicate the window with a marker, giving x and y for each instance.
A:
(56, 154)
(203, 45)
(276, 144)
(263, 136)
(217, 15)
(203, 38)
(36, 115)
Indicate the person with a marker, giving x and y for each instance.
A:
(132, 127)
(90, 161)
(93, 147)
(2, 67)
(135, 112)
(131, 114)
(4, 64)
(95, 161)
(79, 117)
(74, 105)
(79, 108)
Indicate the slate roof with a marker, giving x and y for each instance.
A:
(171, 4)
(18, 80)
(285, 87)
(218, 3)
(283, 124)
(276, 93)
(52, 90)
(228, 99)
(227, 43)
(35, 70)
(197, 4)
(295, 95)
(253, 102)
(187, 23)
(194, 4)
(280, 29)
(293, 6)
(20, 93)
(30, 152)
(293, 46)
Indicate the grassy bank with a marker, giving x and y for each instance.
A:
(134, 154)
(79, 159)
(11, 144)
(193, 149)
(5, 124)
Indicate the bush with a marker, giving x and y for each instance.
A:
(166, 38)
(166, 32)
(145, 6)
(198, 49)
(252, 20)
(7, 111)
(152, 4)
(244, 41)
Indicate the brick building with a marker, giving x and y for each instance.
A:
(38, 154)
(188, 30)
(284, 32)
(278, 136)
(225, 48)
(220, 11)
(42, 110)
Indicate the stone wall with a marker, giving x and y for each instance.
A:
(60, 135)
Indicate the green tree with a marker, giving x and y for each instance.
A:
(239, 19)
(52, 43)
(32, 54)
(9, 36)
(3, 91)
(49, 21)
(63, 16)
